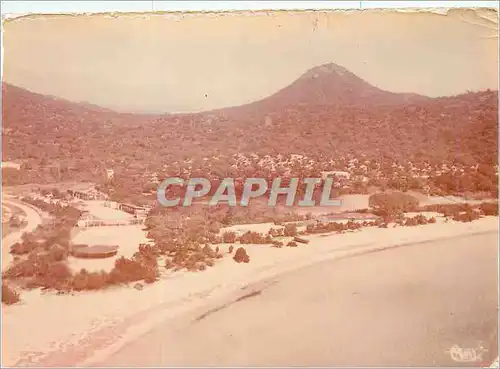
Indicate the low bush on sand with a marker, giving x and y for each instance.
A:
(277, 244)
(132, 270)
(489, 208)
(229, 237)
(393, 201)
(241, 256)
(418, 220)
(84, 280)
(290, 230)
(466, 216)
(255, 238)
(9, 296)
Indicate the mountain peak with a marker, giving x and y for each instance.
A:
(325, 70)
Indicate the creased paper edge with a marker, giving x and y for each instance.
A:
(184, 13)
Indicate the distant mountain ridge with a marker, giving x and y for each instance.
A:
(326, 85)
(331, 84)
(327, 112)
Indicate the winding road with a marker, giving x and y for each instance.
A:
(33, 219)
(407, 306)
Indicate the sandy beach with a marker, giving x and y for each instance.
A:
(416, 302)
(98, 210)
(85, 328)
(127, 237)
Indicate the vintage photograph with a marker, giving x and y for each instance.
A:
(267, 188)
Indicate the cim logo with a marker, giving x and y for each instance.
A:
(467, 355)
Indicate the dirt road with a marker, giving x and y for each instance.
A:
(33, 219)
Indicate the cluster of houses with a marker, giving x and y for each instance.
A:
(89, 194)
(349, 170)
(139, 215)
(86, 220)
(49, 199)
(87, 223)
(136, 210)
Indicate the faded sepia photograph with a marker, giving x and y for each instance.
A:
(265, 188)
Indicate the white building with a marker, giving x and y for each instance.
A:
(336, 173)
(110, 173)
(10, 164)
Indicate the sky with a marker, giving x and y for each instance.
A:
(163, 63)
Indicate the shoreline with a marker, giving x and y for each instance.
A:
(352, 291)
(214, 303)
(106, 319)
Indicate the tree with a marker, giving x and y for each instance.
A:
(241, 256)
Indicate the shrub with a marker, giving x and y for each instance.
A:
(207, 250)
(393, 201)
(97, 280)
(241, 256)
(84, 280)
(215, 239)
(310, 228)
(300, 240)
(292, 244)
(79, 281)
(290, 230)
(466, 216)
(192, 262)
(21, 269)
(253, 238)
(151, 276)
(146, 256)
(229, 237)
(275, 232)
(489, 208)
(131, 270)
(23, 248)
(420, 219)
(9, 296)
(166, 247)
(57, 276)
(277, 244)
(352, 225)
(57, 253)
(169, 264)
(410, 222)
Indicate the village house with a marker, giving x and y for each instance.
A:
(88, 194)
(11, 165)
(139, 211)
(335, 173)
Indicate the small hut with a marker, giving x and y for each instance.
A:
(94, 251)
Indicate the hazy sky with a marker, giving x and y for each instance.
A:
(165, 63)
